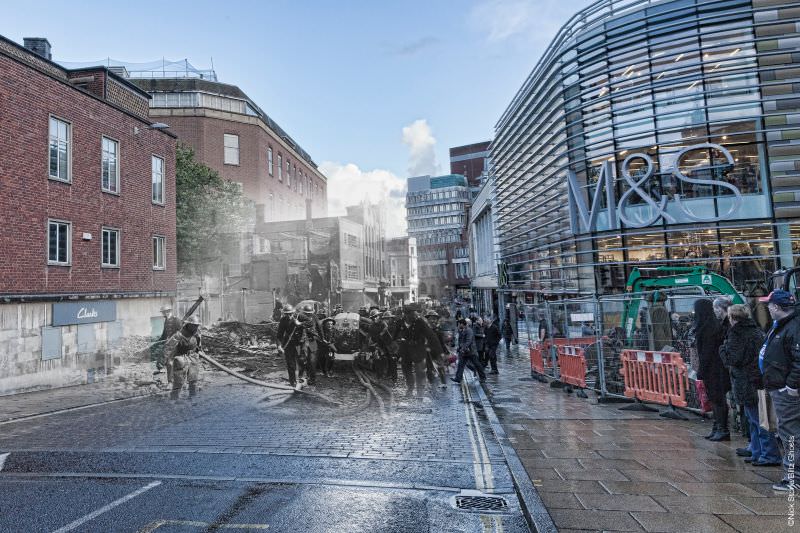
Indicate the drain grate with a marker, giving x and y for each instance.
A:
(483, 503)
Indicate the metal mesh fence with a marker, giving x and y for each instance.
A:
(604, 326)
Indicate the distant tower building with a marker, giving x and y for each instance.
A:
(436, 210)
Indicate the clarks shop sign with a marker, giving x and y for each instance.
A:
(649, 210)
(85, 312)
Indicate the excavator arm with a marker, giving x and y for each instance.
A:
(672, 278)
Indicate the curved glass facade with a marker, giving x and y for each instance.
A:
(675, 124)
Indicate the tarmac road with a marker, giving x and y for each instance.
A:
(228, 462)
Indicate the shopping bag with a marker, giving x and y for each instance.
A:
(702, 395)
(766, 412)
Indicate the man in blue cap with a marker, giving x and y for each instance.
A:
(779, 362)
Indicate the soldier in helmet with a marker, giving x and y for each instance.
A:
(326, 349)
(312, 332)
(415, 338)
(437, 366)
(182, 354)
(289, 339)
(171, 325)
(380, 336)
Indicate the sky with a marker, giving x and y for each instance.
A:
(374, 91)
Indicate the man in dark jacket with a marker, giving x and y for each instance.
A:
(414, 338)
(492, 342)
(739, 353)
(467, 352)
(779, 362)
(508, 333)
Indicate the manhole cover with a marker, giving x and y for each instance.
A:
(481, 503)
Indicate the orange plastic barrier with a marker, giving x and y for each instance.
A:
(658, 377)
(537, 362)
(572, 365)
(540, 350)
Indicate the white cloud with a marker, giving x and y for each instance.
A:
(349, 185)
(421, 148)
(533, 22)
(501, 19)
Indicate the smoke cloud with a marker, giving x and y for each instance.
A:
(421, 148)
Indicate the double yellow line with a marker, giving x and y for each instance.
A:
(481, 464)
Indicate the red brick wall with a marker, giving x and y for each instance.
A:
(28, 198)
(205, 135)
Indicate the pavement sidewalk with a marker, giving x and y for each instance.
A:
(132, 381)
(597, 468)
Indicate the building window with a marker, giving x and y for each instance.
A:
(60, 151)
(351, 271)
(280, 167)
(159, 261)
(288, 173)
(58, 242)
(157, 172)
(231, 149)
(110, 250)
(110, 165)
(270, 165)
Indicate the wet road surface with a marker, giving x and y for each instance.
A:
(231, 462)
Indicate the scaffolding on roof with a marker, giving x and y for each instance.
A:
(162, 68)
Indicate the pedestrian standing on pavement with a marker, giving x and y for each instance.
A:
(480, 340)
(467, 352)
(492, 342)
(508, 333)
(739, 352)
(779, 362)
(708, 339)
(182, 353)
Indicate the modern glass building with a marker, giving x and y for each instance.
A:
(654, 133)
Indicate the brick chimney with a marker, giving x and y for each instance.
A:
(38, 45)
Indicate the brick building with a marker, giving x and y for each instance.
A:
(88, 203)
(232, 135)
(471, 161)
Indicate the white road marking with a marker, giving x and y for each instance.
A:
(3, 457)
(194, 523)
(106, 508)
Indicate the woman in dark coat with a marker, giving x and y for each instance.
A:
(708, 339)
(740, 355)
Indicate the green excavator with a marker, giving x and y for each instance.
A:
(672, 278)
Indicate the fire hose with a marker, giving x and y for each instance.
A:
(286, 388)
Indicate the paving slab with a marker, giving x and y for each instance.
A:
(683, 523)
(598, 468)
(759, 524)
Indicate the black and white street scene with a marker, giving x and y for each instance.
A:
(491, 266)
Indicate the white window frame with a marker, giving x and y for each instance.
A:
(226, 146)
(270, 162)
(108, 230)
(153, 174)
(280, 166)
(68, 262)
(159, 246)
(115, 188)
(68, 142)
